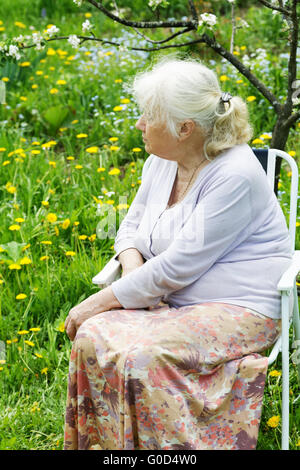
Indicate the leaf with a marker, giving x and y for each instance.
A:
(14, 251)
(55, 116)
(2, 92)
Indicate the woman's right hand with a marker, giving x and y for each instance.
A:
(130, 260)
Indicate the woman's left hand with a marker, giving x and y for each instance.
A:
(97, 303)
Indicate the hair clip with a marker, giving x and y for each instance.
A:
(225, 97)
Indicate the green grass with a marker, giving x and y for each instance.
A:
(33, 379)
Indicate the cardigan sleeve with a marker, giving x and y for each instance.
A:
(126, 234)
(220, 221)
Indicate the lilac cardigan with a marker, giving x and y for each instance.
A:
(226, 241)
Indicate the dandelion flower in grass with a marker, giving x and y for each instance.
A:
(44, 371)
(124, 101)
(75, 121)
(275, 373)
(25, 247)
(122, 206)
(45, 203)
(265, 136)
(257, 141)
(224, 78)
(35, 329)
(35, 152)
(66, 224)
(51, 217)
(61, 327)
(25, 64)
(76, 223)
(118, 80)
(2, 149)
(20, 25)
(25, 260)
(38, 355)
(118, 108)
(70, 158)
(92, 149)
(292, 153)
(14, 266)
(82, 237)
(136, 149)
(1, 281)
(54, 91)
(14, 227)
(21, 296)
(100, 170)
(114, 148)
(11, 189)
(6, 162)
(78, 167)
(61, 82)
(30, 343)
(34, 86)
(53, 164)
(49, 144)
(251, 98)
(273, 422)
(19, 220)
(5, 79)
(114, 171)
(50, 52)
(23, 332)
(81, 136)
(23, 98)
(70, 253)
(44, 258)
(93, 237)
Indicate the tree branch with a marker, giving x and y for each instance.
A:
(211, 42)
(292, 119)
(273, 7)
(193, 11)
(142, 24)
(183, 31)
(292, 65)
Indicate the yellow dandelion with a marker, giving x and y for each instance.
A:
(265, 136)
(19, 220)
(76, 223)
(66, 224)
(114, 171)
(136, 149)
(47, 242)
(6, 162)
(23, 98)
(21, 296)
(125, 101)
(53, 91)
(223, 78)
(14, 227)
(75, 121)
(70, 158)
(273, 422)
(45, 203)
(35, 329)
(44, 258)
(118, 108)
(61, 327)
(251, 98)
(88, 15)
(70, 253)
(292, 153)
(53, 164)
(20, 25)
(100, 170)
(61, 82)
(2, 149)
(5, 79)
(25, 260)
(81, 136)
(44, 371)
(78, 167)
(23, 332)
(257, 141)
(30, 343)
(92, 149)
(51, 217)
(25, 64)
(11, 189)
(275, 373)
(38, 355)
(34, 86)
(14, 266)
(118, 80)
(35, 152)
(50, 52)
(114, 148)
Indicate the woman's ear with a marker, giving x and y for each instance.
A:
(186, 129)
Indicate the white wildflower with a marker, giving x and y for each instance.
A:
(37, 39)
(207, 18)
(74, 40)
(86, 26)
(52, 30)
(19, 38)
(154, 3)
(78, 2)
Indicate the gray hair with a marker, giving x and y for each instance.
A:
(175, 90)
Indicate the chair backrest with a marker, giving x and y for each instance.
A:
(267, 158)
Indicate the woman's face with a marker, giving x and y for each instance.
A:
(157, 138)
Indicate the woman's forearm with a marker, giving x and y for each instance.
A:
(131, 259)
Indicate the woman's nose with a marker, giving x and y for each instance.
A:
(140, 124)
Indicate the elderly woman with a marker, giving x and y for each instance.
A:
(167, 356)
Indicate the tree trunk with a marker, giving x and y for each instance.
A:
(279, 139)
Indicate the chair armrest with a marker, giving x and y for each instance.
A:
(288, 278)
(110, 273)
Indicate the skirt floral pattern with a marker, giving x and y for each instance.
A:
(168, 379)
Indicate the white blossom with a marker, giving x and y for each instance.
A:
(37, 38)
(231, 1)
(154, 3)
(13, 51)
(86, 26)
(208, 19)
(78, 2)
(52, 30)
(74, 40)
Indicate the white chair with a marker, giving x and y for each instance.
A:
(286, 285)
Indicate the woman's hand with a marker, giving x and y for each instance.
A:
(97, 303)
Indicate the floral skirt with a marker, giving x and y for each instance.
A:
(168, 378)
